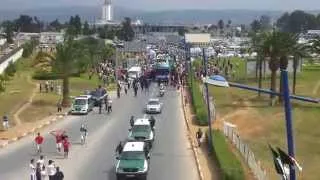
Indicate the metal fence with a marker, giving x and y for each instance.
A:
(230, 132)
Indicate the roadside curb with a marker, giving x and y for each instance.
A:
(193, 145)
(33, 130)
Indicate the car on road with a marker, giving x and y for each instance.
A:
(133, 161)
(154, 106)
(82, 104)
(142, 131)
(97, 97)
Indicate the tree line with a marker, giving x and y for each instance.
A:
(295, 22)
(75, 27)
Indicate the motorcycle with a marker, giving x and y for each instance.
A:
(161, 92)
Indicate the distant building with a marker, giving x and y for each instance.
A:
(311, 34)
(49, 40)
(107, 15)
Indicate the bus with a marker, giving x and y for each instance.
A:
(162, 69)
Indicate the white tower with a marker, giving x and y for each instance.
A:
(107, 11)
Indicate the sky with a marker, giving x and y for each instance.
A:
(157, 5)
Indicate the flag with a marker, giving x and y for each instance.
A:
(286, 159)
(277, 161)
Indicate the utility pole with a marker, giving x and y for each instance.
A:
(205, 62)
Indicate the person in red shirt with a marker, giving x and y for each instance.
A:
(39, 140)
(66, 146)
(58, 135)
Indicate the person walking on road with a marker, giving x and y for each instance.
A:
(132, 121)
(119, 148)
(5, 122)
(39, 140)
(41, 161)
(59, 174)
(118, 89)
(59, 105)
(152, 121)
(66, 146)
(51, 169)
(199, 135)
(38, 172)
(43, 173)
(32, 170)
(109, 105)
(58, 135)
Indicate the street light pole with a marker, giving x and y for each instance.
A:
(205, 62)
(287, 108)
(116, 69)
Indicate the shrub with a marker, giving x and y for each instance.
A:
(229, 164)
(198, 103)
(2, 83)
(11, 69)
(44, 75)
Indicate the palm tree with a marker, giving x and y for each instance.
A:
(273, 46)
(257, 46)
(64, 64)
(299, 51)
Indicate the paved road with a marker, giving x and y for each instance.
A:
(171, 159)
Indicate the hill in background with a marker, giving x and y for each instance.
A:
(160, 17)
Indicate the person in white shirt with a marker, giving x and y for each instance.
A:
(51, 169)
(32, 170)
(41, 161)
(43, 173)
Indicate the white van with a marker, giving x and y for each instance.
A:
(135, 72)
(82, 104)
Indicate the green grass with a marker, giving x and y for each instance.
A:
(229, 164)
(238, 72)
(18, 90)
(198, 104)
(262, 124)
(79, 84)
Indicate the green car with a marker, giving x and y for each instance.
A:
(142, 131)
(133, 162)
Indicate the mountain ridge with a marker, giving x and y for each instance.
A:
(189, 16)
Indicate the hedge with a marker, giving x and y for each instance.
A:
(229, 164)
(198, 103)
(44, 75)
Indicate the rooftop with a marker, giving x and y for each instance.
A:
(142, 121)
(83, 97)
(134, 146)
(154, 99)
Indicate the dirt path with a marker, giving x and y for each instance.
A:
(316, 88)
(16, 115)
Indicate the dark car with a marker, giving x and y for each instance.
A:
(97, 97)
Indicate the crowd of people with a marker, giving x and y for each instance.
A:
(40, 171)
(62, 142)
(105, 72)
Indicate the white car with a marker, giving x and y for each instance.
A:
(154, 106)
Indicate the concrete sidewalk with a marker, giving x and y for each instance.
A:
(207, 167)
